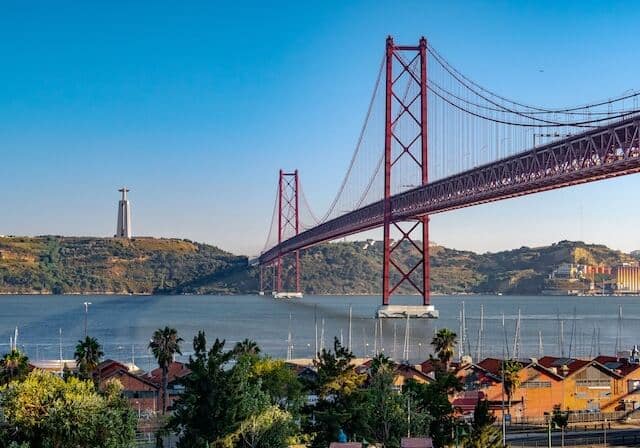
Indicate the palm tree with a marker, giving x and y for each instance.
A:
(510, 372)
(87, 355)
(444, 343)
(13, 366)
(380, 361)
(246, 347)
(164, 344)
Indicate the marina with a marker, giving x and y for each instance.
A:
(519, 326)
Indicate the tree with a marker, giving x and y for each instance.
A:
(229, 404)
(444, 343)
(280, 383)
(14, 366)
(45, 411)
(202, 413)
(164, 344)
(380, 361)
(388, 411)
(337, 375)
(87, 355)
(483, 434)
(560, 419)
(510, 371)
(270, 428)
(433, 399)
(339, 406)
(246, 347)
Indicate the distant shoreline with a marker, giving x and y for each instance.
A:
(142, 294)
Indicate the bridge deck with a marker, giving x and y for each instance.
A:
(605, 152)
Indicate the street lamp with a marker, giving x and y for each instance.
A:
(86, 313)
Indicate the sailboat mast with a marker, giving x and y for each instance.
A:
(350, 315)
(480, 344)
(540, 345)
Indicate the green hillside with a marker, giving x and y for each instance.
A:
(52, 264)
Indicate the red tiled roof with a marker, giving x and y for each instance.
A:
(124, 372)
(176, 370)
(416, 442)
(621, 366)
(573, 365)
(468, 401)
(491, 365)
(108, 366)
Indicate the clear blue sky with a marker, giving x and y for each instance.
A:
(196, 106)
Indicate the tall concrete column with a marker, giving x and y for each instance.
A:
(123, 229)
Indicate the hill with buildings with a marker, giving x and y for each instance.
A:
(57, 265)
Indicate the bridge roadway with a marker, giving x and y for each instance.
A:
(601, 153)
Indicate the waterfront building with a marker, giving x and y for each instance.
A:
(586, 385)
(176, 371)
(626, 393)
(123, 228)
(603, 384)
(565, 271)
(592, 270)
(626, 279)
(143, 395)
(540, 389)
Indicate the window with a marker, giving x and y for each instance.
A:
(593, 383)
(536, 385)
(633, 386)
(139, 394)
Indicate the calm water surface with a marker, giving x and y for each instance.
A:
(124, 324)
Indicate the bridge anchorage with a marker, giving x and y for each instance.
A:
(474, 147)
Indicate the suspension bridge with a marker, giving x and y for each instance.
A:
(434, 140)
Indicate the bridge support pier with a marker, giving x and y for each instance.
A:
(405, 108)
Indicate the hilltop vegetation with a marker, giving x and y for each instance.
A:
(53, 264)
(355, 267)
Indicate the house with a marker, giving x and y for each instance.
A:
(176, 371)
(402, 373)
(626, 393)
(586, 385)
(405, 372)
(539, 391)
(141, 393)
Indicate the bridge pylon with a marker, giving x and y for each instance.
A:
(406, 142)
(286, 268)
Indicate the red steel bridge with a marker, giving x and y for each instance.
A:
(434, 140)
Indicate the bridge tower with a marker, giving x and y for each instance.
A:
(406, 139)
(287, 268)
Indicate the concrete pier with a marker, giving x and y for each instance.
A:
(402, 311)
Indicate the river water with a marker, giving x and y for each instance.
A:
(573, 326)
